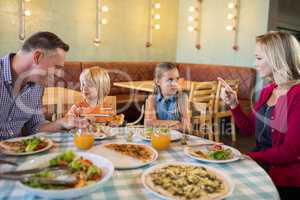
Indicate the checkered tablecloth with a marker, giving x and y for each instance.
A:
(251, 181)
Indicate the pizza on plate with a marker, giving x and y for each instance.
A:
(187, 182)
(140, 152)
(25, 145)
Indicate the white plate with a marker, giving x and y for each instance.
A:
(109, 132)
(175, 135)
(120, 160)
(12, 153)
(203, 147)
(223, 175)
(104, 164)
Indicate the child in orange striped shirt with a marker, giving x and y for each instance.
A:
(94, 86)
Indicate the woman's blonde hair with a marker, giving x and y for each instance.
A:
(283, 54)
(100, 78)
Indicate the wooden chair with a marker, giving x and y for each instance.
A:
(55, 98)
(59, 100)
(202, 98)
(112, 102)
(221, 111)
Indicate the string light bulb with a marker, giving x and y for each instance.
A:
(104, 9)
(157, 5)
(191, 18)
(157, 16)
(191, 28)
(230, 16)
(104, 21)
(229, 28)
(27, 13)
(231, 5)
(157, 26)
(192, 9)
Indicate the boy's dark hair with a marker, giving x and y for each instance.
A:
(44, 40)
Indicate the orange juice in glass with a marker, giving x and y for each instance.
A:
(83, 139)
(161, 139)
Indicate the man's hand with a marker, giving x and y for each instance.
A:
(70, 122)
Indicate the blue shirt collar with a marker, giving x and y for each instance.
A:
(159, 97)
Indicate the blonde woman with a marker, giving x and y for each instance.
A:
(167, 106)
(95, 86)
(275, 118)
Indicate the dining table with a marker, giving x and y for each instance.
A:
(249, 179)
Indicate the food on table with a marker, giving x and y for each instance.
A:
(117, 120)
(83, 169)
(137, 151)
(186, 182)
(213, 152)
(111, 120)
(25, 145)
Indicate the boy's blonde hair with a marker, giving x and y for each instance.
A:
(100, 78)
(283, 54)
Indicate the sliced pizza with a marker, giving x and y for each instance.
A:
(136, 151)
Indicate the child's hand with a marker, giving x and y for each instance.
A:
(78, 111)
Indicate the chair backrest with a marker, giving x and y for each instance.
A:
(112, 102)
(202, 96)
(219, 103)
(61, 99)
(58, 98)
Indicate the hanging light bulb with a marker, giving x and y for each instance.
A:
(104, 21)
(157, 16)
(97, 42)
(229, 28)
(231, 5)
(157, 5)
(27, 13)
(192, 9)
(104, 9)
(157, 26)
(27, 0)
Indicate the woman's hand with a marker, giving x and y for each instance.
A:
(228, 95)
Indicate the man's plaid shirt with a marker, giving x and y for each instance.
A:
(21, 111)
